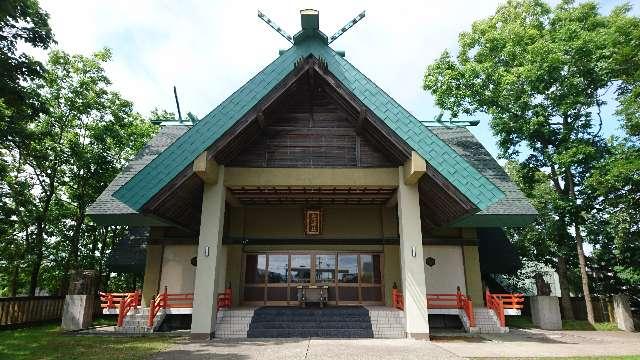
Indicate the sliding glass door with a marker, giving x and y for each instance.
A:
(351, 278)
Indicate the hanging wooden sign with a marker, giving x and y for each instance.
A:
(312, 222)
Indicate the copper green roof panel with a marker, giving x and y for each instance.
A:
(150, 180)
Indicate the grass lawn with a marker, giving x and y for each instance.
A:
(50, 343)
(524, 322)
(585, 325)
(521, 322)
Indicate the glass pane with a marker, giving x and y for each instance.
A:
(255, 268)
(300, 268)
(278, 269)
(348, 268)
(370, 269)
(325, 268)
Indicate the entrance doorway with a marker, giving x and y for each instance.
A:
(271, 278)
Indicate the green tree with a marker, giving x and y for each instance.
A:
(86, 135)
(546, 239)
(614, 221)
(542, 75)
(21, 22)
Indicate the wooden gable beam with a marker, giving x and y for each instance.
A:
(205, 168)
(414, 168)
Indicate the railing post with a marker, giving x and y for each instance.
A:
(472, 319)
(165, 298)
(110, 301)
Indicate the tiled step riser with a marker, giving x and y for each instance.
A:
(311, 325)
(303, 333)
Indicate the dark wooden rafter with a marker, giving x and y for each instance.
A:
(218, 151)
(440, 201)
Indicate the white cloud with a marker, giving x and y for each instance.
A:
(210, 48)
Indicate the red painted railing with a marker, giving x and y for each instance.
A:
(494, 303)
(132, 301)
(166, 300)
(397, 299)
(511, 301)
(112, 300)
(452, 301)
(225, 299)
(441, 301)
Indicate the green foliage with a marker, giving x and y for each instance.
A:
(614, 221)
(542, 73)
(21, 22)
(81, 142)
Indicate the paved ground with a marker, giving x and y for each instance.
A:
(541, 343)
(518, 343)
(310, 349)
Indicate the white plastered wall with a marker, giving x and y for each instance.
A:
(448, 272)
(177, 272)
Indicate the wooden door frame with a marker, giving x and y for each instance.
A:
(312, 276)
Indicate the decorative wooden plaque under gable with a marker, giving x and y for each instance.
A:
(312, 221)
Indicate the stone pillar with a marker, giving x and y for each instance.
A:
(152, 273)
(472, 276)
(545, 312)
(623, 312)
(411, 260)
(209, 253)
(79, 305)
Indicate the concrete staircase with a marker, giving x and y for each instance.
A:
(136, 322)
(330, 322)
(487, 322)
(233, 323)
(386, 322)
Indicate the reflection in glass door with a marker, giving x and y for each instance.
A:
(351, 278)
(325, 273)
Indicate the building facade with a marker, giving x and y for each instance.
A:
(311, 175)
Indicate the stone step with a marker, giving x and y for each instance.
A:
(306, 333)
(311, 325)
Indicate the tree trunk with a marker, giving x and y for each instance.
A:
(581, 259)
(41, 224)
(74, 246)
(13, 283)
(38, 244)
(583, 275)
(565, 299)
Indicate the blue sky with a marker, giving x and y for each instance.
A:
(210, 48)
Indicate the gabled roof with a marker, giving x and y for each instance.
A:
(107, 208)
(500, 213)
(159, 172)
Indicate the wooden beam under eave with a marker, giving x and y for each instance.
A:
(414, 168)
(393, 200)
(232, 200)
(206, 169)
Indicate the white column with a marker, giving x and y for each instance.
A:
(411, 260)
(209, 254)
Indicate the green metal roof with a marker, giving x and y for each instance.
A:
(151, 179)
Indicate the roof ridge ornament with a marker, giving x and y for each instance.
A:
(348, 26)
(275, 26)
